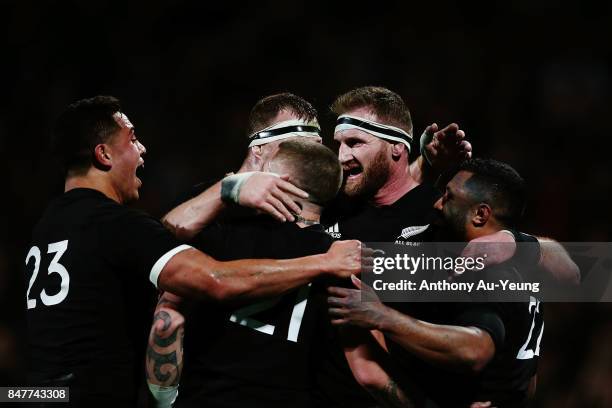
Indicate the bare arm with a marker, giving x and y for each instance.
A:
(375, 370)
(265, 192)
(556, 261)
(164, 361)
(193, 274)
(190, 217)
(458, 348)
(501, 246)
(422, 172)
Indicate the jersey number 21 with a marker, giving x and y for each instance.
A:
(243, 316)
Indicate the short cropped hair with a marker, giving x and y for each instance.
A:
(266, 109)
(498, 185)
(82, 126)
(388, 106)
(313, 167)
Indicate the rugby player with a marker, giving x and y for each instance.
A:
(479, 351)
(380, 198)
(273, 119)
(383, 199)
(90, 256)
(383, 202)
(259, 354)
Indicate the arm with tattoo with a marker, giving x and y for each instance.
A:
(164, 360)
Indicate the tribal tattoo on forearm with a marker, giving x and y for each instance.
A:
(165, 348)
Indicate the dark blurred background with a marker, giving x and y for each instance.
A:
(530, 82)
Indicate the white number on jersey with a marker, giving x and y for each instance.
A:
(57, 248)
(243, 316)
(524, 353)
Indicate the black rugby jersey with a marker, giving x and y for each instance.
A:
(504, 380)
(516, 329)
(354, 219)
(256, 355)
(349, 219)
(89, 299)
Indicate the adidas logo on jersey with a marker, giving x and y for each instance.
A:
(334, 231)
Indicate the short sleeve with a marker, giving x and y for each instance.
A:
(485, 317)
(140, 243)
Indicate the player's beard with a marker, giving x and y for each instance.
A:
(452, 223)
(373, 178)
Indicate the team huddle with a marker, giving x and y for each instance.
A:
(259, 296)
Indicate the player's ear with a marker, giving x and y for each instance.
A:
(481, 214)
(257, 151)
(397, 149)
(102, 157)
(257, 157)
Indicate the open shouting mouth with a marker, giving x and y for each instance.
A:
(353, 171)
(138, 170)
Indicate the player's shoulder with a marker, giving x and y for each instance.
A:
(75, 205)
(91, 209)
(287, 237)
(109, 211)
(423, 196)
(414, 214)
(263, 226)
(245, 231)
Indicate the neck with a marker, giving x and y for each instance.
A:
(247, 165)
(399, 183)
(93, 181)
(250, 163)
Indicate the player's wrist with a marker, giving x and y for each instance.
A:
(232, 185)
(384, 323)
(426, 138)
(164, 395)
(325, 264)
